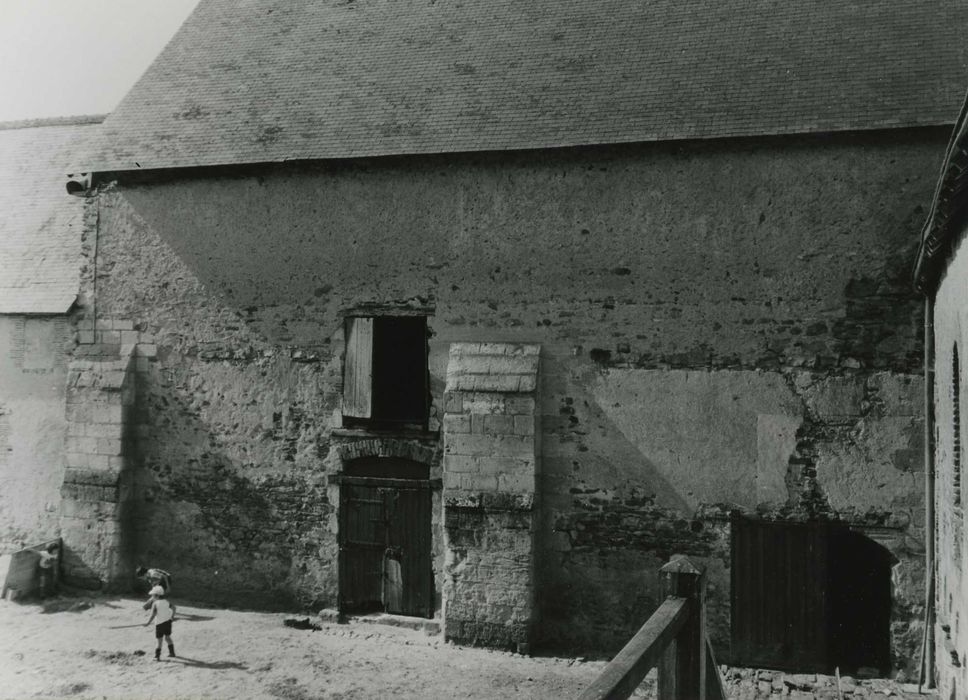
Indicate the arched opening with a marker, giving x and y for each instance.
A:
(859, 613)
(386, 468)
(385, 537)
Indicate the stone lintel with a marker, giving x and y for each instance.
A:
(509, 368)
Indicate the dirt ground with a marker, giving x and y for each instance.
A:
(95, 647)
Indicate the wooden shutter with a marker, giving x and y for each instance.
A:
(358, 368)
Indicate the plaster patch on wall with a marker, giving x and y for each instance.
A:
(861, 475)
(5, 448)
(35, 466)
(701, 430)
(40, 344)
(776, 439)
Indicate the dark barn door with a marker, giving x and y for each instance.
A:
(385, 543)
(779, 594)
(809, 597)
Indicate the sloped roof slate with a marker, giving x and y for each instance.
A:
(248, 81)
(40, 224)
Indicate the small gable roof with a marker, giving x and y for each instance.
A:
(40, 224)
(273, 80)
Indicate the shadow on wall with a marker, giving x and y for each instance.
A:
(882, 316)
(82, 575)
(601, 548)
(225, 537)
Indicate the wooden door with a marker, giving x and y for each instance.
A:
(779, 599)
(410, 592)
(363, 541)
(385, 546)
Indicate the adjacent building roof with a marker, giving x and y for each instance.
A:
(949, 209)
(274, 80)
(40, 224)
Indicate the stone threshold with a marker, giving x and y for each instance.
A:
(430, 626)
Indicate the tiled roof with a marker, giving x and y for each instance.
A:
(248, 81)
(946, 219)
(40, 224)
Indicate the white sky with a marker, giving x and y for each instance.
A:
(73, 57)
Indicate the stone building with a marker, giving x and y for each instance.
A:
(483, 311)
(941, 273)
(40, 242)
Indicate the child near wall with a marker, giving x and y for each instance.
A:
(48, 566)
(162, 610)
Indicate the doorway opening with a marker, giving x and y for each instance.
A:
(385, 537)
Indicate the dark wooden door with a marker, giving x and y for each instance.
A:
(385, 546)
(779, 580)
(363, 541)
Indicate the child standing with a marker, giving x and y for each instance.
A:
(164, 611)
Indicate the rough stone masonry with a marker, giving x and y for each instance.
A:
(491, 457)
(723, 326)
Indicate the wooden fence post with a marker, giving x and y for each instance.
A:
(682, 673)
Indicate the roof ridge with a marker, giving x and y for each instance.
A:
(71, 120)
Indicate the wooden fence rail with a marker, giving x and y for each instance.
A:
(672, 640)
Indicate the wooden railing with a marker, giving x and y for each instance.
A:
(673, 640)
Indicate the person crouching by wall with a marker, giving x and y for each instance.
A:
(47, 567)
(163, 611)
(154, 577)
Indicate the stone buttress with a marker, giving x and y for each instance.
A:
(491, 459)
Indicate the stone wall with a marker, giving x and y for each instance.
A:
(951, 593)
(724, 325)
(34, 353)
(491, 458)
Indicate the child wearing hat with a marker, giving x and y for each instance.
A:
(164, 611)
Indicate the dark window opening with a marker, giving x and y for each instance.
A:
(385, 379)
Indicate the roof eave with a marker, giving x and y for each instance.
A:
(112, 170)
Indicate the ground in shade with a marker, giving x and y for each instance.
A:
(95, 647)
